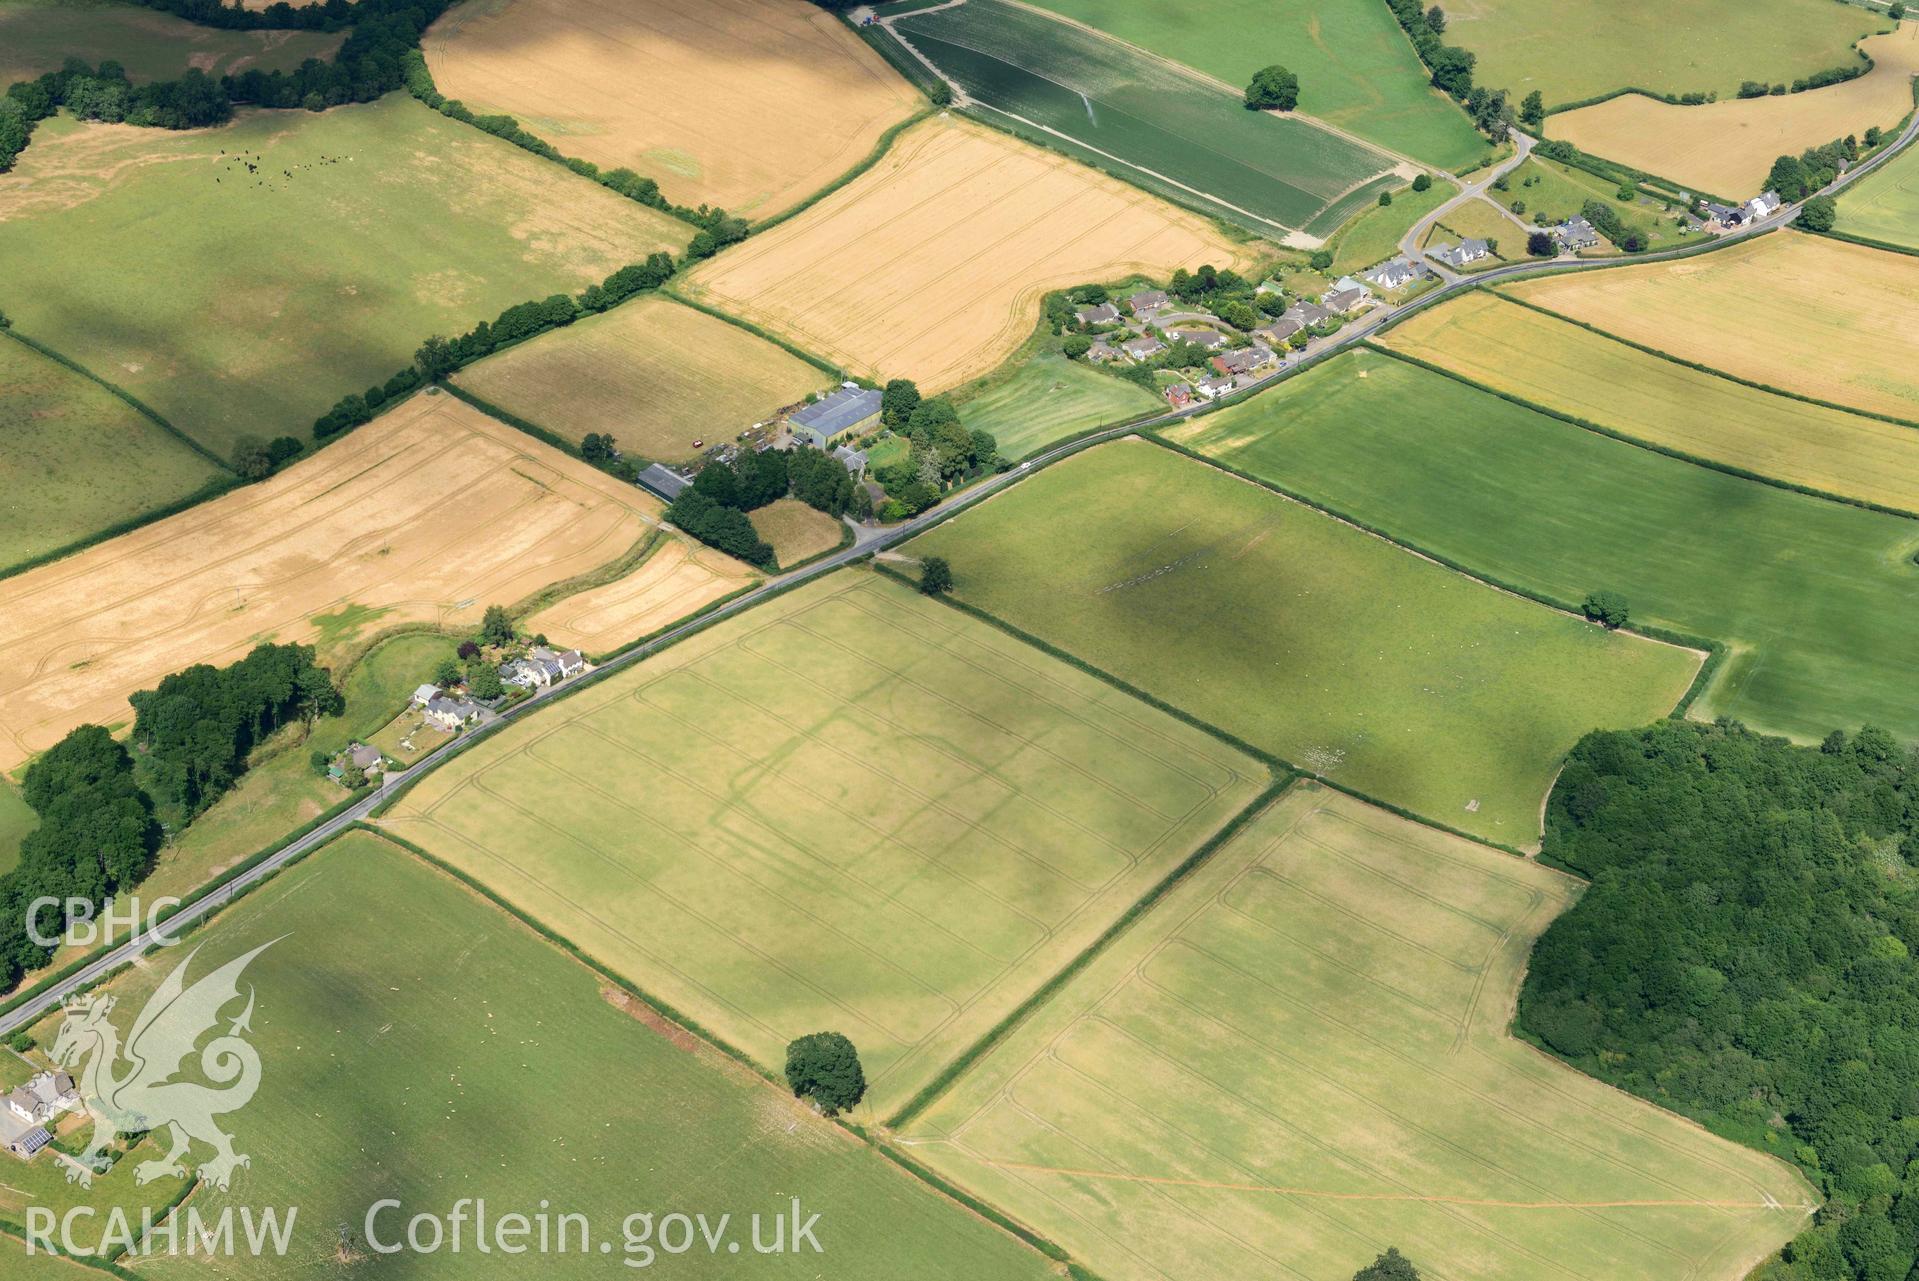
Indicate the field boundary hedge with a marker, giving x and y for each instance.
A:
(1625, 438)
(18, 1233)
(140, 406)
(207, 492)
(873, 157)
(818, 362)
(993, 1036)
(1884, 246)
(1697, 367)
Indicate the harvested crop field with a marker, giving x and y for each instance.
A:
(1562, 367)
(752, 105)
(1328, 647)
(853, 808)
(267, 293)
(77, 459)
(430, 513)
(1817, 602)
(1884, 205)
(1727, 147)
(1301, 1056)
(676, 579)
(653, 374)
(38, 36)
(1839, 318)
(403, 1024)
(932, 265)
(796, 531)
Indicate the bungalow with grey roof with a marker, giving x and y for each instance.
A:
(1210, 339)
(1461, 255)
(1341, 301)
(1143, 348)
(1103, 352)
(1276, 332)
(1247, 360)
(1575, 234)
(848, 411)
(1104, 314)
(1394, 273)
(1147, 300)
(1307, 314)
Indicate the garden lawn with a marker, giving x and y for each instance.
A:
(1045, 397)
(1884, 205)
(1301, 1057)
(1356, 68)
(1817, 600)
(1559, 192)
(77, 459)
(1303, 636)
(379, 684)
(250, 302)
(38, 36)
(796, 531)
(1374, 236)
(419, 1044)
(1476, 219)
(852, 808)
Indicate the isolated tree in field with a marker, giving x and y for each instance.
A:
(250, 458)
(1390, 1266)
(1385, 198)
(1423, 182)
(824, 1067)
(1272, 89)
(898, 401)
(1818, 214)
(484, 681)
(495, 627)
(1540, 245)
(936, 576)
(1436, 19)
(1606, 608)
(1532, 111)
(436, 358)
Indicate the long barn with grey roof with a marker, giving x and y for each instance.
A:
(845, 411)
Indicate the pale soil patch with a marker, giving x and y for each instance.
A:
(675, 580)
(1727, 147)
(796, 530)
(931, 266)
(748, 104)
(1811, 315)
(1562, 367)
(654, 374)
(430, 513)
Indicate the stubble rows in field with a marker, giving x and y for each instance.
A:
(677, 578)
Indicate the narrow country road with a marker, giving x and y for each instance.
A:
(869, 540)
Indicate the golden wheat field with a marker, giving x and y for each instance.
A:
(678, 578)
(429, 514)
(1811, 315)
(1726, 147)
(747, 104)
(653, 374)
(931, 265)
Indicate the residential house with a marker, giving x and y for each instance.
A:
(1104, 314)
(1253, 360)
(1341, 301)
(44, 1097)
(854, 460)
(1461, 255)
(1145, 347)
(425, 694)
(1394, 273)
(1275, 333)
(524, 674)
(28, 1141)
(1210, 339)
(1213, 388)
(1575, 234)
(1762, 206)
(1103, 352)
(849, 411)
(1723, 216)
(1179, 395)
(560, 666)
(451, 714)
(1307, 314)
(1147, 300)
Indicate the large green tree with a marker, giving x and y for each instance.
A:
(1272, 88)
(824, 1067)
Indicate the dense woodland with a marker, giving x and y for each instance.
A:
(1744, 956)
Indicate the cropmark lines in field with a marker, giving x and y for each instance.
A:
(853, 809)
(1269, 172)
(1301, 1057)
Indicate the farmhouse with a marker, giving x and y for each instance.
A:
(848, 411)
(1210, 339)
(1143, 348)
(43, 1098)
(1252, 360)
(558, 666)
(451, 714)
(1761, 206)
(1104, 314)
(1575, 234)
(1147, 301)
(1722, 216)
(1394, 273)
(1461, 255)
(425, 694)
(854, 460)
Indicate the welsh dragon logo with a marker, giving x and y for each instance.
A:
(130, 1089)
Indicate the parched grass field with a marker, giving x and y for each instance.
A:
(419, 1044)
(1556, 364)
(678, 577)
(38, 36)
(1304, 636)
(261, 299)
(796, 531)
(1884, 205)
(1301, 1057)
(1727, 147)
(1267, 171)
(78, 459)
(1356, 68)
(430, 513)
(1839, 318)
(1708, 47)
(932, 265)
(854, 808)
(1374, 236)
(652, 373)
(1817, 601)
(752, 105)
(1045, 398)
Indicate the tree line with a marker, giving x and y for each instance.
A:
(714, 507)
(1744, 955)
(942, 451)
(101, 803)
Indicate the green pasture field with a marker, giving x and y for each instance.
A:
(1559, 192)
(16, 820)
(255, 301)
(41, 1266)
(1478, 219)
(1301, 1057)
(380, 684)
(1303, 636)
(1884, 206)
(78, 459)
(852, 809)
(419, 1044)
(1818, 601)
(1522, 45)
(1266, 172)
(43, 1182)
(38, 36)
(1044, 397)
(1374, 235)
(1356, 67)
